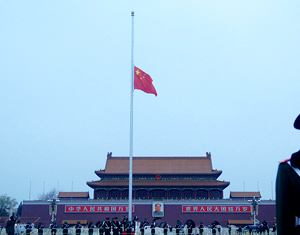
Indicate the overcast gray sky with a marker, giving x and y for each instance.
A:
(226, 74)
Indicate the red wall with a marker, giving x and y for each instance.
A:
(172, 212)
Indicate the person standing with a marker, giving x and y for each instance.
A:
(124, 223)
(107, 226)
(190, 229)
(178, 227)
(53, 228)
(288, 193)
(100, 225)
(40, 228)
(28, 228)
(10, 226)
(78, 227)
(65, 228)
(201, 228)
(152, 226)
(91, 227)
(116, 226)
(143, 225)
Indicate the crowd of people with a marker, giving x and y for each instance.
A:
(105, 227)
(116, 227)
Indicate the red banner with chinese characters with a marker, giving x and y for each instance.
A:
(96, 209)
(216, 209)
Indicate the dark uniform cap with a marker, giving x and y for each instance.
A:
(107, 218)
(297, 122)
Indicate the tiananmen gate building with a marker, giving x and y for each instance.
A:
(185, 188)
(159, 178)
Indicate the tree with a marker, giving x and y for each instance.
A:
(53, 193)
(7, 203)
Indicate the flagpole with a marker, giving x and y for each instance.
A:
(131, 125)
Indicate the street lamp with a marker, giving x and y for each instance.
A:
(254, 208)
(53, 208)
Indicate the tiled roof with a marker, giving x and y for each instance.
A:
(30, 219)
(245, 194)
(73, 195)
(158, 183)
(240, 222)
(73, 222)
(159, 165)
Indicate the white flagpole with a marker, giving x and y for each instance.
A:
(131, 125)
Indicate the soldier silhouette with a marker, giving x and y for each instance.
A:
(201, 228)
(65, 228)
(100, 225)
(53, 228)
(28, 228)
(116, 226)
(288, 193)
(107, 226)
(40, 228)
(10, 226)
(91, 227)
(178, 227)
(78, 227)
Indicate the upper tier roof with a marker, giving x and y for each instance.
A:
(159, 165)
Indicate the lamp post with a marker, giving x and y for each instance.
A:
(53, 208)
(254, 209)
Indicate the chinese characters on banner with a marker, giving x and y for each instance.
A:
(189, 209)
(96, 209)
(222, 209)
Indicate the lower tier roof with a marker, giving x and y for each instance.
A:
(158, 183)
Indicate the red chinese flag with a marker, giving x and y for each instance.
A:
(143, 81)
